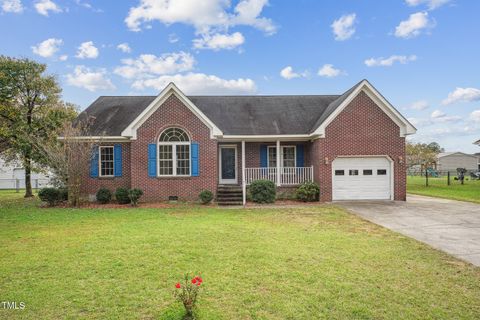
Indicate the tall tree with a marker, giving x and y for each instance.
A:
(30, 112)
(422, 154)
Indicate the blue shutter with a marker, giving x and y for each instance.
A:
(194, 156)
(94, 163)
(300, 156)
(152, 160)
(263, 156)
(117, 156)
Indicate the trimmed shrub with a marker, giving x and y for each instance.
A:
(104, 195)
(49, 195)
(121, 194)
(134, 195)
(308, 192)
(206, 196)
(63, 194)
(262, 191)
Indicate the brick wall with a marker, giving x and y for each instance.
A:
(91, 185)
(173, 113)
(362, 128)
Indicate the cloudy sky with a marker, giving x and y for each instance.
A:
(423, 55)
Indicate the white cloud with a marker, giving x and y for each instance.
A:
(462, 94)
(44, 6)
(329, 71)
(87, 50)
(419, 105)
(437, 114)
(343, 28)
(63, 57)
(173, 38)
(202, 15)
(47, 48)
(417, 122)
(12, 6)
(124, 47)
(288, 73)
(387, 62)
(475, 116)
(431, 4)
(149, 65)
(91, 80)
(414, 25)
(87, 6)
(199, 83)
(440, 116)
(219, 41)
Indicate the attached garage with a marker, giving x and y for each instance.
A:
(362, 178)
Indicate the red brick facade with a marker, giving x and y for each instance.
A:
(362, 128)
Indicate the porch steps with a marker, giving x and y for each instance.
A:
(229, 195)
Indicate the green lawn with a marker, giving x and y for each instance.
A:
(438, 187)
(301, 263)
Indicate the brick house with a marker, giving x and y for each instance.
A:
(174, 146)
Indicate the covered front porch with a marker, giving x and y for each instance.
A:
(284, 162)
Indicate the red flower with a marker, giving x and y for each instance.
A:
(194, 280)
(177, 285)
(199, 279)
(198, 284)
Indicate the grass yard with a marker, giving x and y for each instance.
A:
(438, 187)
(298, 263)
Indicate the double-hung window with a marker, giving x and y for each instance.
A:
(174, 153)
(107, 161)
(287, 156)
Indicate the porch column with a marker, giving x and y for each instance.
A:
(279, 176)
(244, 184)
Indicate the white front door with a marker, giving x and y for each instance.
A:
(228, 164)
(365, 178)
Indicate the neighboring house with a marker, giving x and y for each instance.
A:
(12, 176)
(450, 161)
(172, 145)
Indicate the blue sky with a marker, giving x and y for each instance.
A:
(423, 55)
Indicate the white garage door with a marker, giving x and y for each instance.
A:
(361, 178)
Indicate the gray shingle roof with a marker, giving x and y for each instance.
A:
(234, 115)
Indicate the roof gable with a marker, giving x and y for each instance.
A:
(344, 100)
(131, 129)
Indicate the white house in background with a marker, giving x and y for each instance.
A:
(450, 161)
(12, 176)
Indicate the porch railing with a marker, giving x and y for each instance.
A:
(288, 176)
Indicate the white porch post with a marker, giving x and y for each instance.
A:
(244, 185)
(279, 176)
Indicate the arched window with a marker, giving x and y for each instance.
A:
(174, 153)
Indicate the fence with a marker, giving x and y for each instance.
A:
(434, 177)
(18, 184)
(288, 176)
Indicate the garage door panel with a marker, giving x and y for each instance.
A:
(368, 186)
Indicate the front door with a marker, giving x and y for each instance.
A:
(228, 164)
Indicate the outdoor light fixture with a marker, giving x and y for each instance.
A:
(326, 160)
(400, 160)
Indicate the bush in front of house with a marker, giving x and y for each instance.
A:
(206, 196)
(49, 195)
(134, 195)
(121, 194)
(308, 192)
(262, 191)
(104, 195)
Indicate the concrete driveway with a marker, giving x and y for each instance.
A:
(448, 225)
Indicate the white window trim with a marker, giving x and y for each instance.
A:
(281, 155)
(174, 158)
(100, 161)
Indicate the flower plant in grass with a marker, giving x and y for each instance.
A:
(187, 292)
